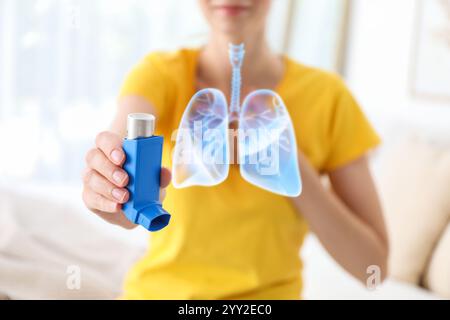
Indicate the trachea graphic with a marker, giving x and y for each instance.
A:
(143, 165)
(237, 54)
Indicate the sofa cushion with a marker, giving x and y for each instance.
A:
(414, 184)
(437, 276)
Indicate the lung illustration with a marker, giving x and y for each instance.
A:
(267, 144)
(201, 156)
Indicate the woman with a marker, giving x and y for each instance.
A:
(234, 240)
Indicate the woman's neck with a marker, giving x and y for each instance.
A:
(261, 69)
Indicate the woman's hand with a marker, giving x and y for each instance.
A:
(105, 181)
(348, 219)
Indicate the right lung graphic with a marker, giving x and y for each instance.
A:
(267, 144)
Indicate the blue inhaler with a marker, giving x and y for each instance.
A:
(143, 164)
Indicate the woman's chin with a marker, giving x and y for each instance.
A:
(233, 30)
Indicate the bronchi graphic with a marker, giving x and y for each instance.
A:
(266, 140)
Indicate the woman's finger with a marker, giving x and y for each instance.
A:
(166, 177)
(111, 145)
(101, 185)
(97, 160)
(97, 202)
(162, 195)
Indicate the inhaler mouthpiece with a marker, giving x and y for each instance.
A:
(140, 125)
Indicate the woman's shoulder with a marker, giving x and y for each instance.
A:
(156, 73)
(305, 76)
(170, 60)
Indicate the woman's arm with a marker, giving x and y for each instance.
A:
(347, 220)
(127, 105)
(104, 180)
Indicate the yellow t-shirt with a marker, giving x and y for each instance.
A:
(234, 240)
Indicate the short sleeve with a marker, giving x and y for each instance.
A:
(350, 133)
(149, 80)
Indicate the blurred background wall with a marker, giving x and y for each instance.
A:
(385, 40)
